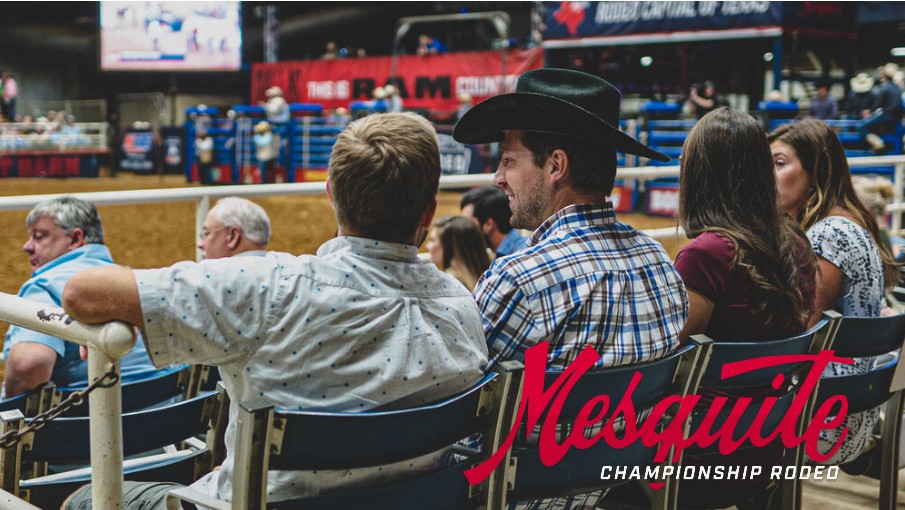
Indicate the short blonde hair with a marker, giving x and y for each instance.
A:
(384, 172)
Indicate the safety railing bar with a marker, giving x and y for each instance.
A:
(107, 343)
(114, 338)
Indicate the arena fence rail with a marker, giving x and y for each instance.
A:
(202, 196)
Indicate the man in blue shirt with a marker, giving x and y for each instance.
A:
(65, 236)
(489, 208)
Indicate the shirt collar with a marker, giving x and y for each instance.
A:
(575, 216)
(91, 250)
(370, 248)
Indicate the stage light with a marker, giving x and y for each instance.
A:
(768, 57)
(646, 61)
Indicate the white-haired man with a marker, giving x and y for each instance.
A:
(234, 227)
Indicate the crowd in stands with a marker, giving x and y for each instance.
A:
(56, 129)
(778, 235)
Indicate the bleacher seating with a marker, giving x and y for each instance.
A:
(882, 385)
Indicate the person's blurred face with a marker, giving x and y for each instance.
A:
(792, 182)
(519, 177)
(822, 92)
(214, 239)
(435, 248)
(47, 241)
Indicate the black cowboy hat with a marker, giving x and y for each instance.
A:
(557, 101)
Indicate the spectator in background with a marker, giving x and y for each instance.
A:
(703, 99)
(367, 280)
(276, 108)
(888, 113)
(457, 247)
(823, 105)
(394, 101)
(265, 149)
(427, 45)
(860, 101)
(65, 236)
(234, 227)
(330, 52)
(10, 93)
(464, 104)
(379, 96)
(204, 152)
(488, 208)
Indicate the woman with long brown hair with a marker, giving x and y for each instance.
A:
(456, 245)
(748, 270)
(815, 188)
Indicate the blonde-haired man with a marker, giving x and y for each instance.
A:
(270, 322)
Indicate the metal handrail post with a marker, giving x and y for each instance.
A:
(202, 207)
(106, 435)
(107, 343)
(898, 181)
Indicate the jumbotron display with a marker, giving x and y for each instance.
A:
(170, 36)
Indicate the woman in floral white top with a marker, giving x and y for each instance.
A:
(815, 187)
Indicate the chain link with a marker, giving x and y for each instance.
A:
(76, 398)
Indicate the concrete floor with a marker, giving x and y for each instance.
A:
(847, 493)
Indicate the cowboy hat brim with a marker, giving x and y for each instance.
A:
(529, 111)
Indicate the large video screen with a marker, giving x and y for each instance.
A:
(170, 36)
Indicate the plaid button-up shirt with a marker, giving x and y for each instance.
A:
(584, 279)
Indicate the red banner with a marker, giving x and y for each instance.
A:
(430, 81)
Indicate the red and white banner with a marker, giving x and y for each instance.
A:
(429, 81)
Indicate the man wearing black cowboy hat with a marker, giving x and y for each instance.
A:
(584, 278)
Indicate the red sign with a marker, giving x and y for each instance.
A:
(423, 81)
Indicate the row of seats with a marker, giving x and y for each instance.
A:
(269, 438)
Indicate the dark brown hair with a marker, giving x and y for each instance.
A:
(593, 166)
(462, 240)
(727, 186)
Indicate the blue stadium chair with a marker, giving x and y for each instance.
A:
(31, 403)
(580, 470)
(296, 440)
(752, 384)
(166, 385)
(63, 442)
(861, 337)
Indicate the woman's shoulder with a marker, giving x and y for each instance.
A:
(713, 243)
(837, 226)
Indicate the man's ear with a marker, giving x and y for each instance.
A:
(329, 193)
(78, 238)
(234, 237)
(488, 226)
(558, 166)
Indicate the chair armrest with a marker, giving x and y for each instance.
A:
(196, 498)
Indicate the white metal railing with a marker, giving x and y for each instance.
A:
(202, 196)
(106, 344)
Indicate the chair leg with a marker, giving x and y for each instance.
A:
(889, 468)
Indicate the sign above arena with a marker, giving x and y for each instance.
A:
(696, 20)
(423, 81)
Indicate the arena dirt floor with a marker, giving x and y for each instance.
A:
(156, 235)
